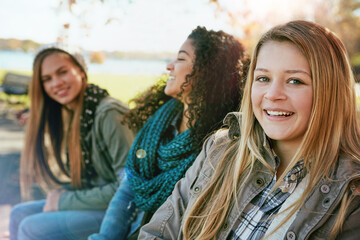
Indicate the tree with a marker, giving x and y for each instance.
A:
(341, 16)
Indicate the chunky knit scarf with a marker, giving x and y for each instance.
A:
(155, 162)
(92, 97)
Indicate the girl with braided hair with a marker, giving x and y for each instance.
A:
(74, 148)
(205, 82)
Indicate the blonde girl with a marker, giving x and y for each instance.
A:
(294, 171)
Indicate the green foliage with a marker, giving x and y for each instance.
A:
(355, 60)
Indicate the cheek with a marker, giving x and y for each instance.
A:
(46, 87)
(189, 69)
(256, 97)
(77, 80)
(307, 108)
(184, 70)
(305, 101)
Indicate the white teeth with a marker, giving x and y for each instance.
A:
(171, 77)
(61, 91)
(276, 113)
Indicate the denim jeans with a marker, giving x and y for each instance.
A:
(29, 222)
(122, 218)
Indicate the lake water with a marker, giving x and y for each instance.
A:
(23, 61)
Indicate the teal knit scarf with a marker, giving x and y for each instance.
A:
(155, 162)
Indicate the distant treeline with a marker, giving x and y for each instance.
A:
(16, 44)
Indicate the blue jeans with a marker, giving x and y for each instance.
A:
(122, 218)
(29, 222)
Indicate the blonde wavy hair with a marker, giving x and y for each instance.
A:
(46, 119)
(333, 130)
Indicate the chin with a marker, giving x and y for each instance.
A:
(171, 94)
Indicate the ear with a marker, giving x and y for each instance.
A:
(83, 76)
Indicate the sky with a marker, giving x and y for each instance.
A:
(138, 25)
(135, 25)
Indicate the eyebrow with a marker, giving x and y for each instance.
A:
(57, 70)
(183, 51)
(287, 71)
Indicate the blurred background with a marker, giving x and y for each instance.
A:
(127, 44)
(129, 38)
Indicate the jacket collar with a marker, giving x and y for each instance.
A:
(233, 121)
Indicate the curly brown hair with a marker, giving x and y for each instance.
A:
(217, 81)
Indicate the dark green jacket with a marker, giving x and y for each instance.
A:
(111, 142)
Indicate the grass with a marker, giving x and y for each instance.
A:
(122, 87)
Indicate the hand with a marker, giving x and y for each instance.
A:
(22, 116)
(52, 200)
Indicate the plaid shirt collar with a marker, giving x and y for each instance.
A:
(257, 215)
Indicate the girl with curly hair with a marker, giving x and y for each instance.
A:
(75, 146)
(205, 82)
(288, 167)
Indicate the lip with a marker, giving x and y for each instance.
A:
(62, 92)
(171, 77)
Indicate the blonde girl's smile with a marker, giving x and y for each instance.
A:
(278, 113)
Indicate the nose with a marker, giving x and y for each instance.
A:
(170, 66)
(57, 81)
(275, 91)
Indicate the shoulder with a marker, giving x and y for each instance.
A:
(213, 149)
(232, 120)
(222, 139)
(347, 167)
(109, 116)
(110, 103)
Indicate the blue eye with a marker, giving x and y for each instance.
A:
(295, 81)
(262, 79)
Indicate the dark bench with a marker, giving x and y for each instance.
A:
(15, 84)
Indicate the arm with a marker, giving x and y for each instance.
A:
(111, 143)
(351, 226)
(167, 220)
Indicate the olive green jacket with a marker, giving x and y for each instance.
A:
(110, 141)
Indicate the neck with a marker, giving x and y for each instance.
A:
(184, 120)
(71, 106)
(285, 151)
(183, 126)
